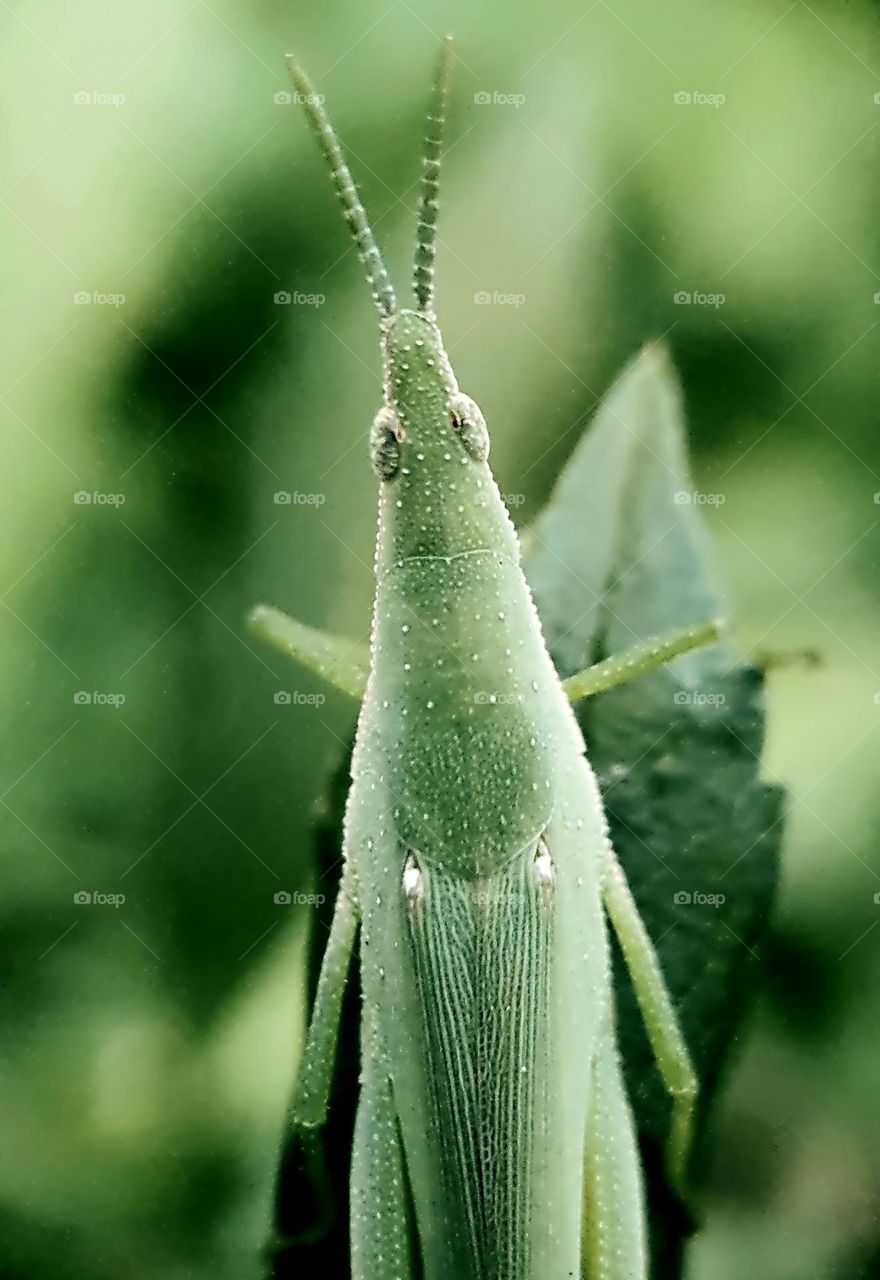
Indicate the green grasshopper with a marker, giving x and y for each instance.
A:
(494, 1139)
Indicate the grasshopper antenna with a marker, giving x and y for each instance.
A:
(426, 232)
(353, 211)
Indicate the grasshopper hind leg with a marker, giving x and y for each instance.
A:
(614, 1209)
(382, 1227)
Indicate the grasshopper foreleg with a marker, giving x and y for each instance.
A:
(620, 668)
(316, 1069)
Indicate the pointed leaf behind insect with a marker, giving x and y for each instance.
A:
(579, 543)
(620, 553)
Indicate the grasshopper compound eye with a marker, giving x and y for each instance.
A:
(468, 420)
(386, 436)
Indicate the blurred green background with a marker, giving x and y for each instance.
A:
(155, 200)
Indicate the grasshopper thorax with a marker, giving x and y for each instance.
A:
(422, 400)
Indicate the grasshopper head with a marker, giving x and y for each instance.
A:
(429, 446)
(420, 388)
(424, 407)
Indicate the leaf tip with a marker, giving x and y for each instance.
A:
(656, 351)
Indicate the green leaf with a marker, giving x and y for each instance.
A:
(619, 554)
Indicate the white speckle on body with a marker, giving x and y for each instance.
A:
(413, 887)
(544, 868)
